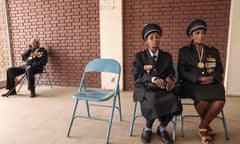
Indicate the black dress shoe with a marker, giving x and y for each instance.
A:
(146, 136)
(166, 139)
(10, 92)
(33, 94)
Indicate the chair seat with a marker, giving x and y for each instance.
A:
(93, 95)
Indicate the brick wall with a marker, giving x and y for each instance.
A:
(69, 28)
(173, 16)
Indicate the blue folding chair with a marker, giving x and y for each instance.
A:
(87, 93)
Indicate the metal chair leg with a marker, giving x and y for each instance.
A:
(181, 124)
(22, 82)
(174, 121)
(133, 118)
(48, 79)
(73, 117)
(119, 105)
(110, 121)
(224, 126)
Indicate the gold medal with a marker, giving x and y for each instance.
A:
(200, 56)
(200, 65)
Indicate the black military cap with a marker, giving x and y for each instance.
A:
(149, 28)
(196, 24)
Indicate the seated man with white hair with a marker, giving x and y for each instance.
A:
(35, 59)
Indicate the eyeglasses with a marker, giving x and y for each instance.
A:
(154, 38)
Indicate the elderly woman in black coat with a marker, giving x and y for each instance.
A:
(154, 77)
(200, 73)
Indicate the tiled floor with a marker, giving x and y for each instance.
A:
(45, 119)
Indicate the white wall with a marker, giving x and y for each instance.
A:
(232, 74)
(111, 41)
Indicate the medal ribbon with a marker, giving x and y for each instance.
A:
(200, 56)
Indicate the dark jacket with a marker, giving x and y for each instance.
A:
(187, 64)
(162, 68)
(189, 73)
(38, 61)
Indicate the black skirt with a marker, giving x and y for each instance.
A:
(197, 92)
(159, 103)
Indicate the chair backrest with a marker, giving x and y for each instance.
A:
(176, 71)
(102, 65)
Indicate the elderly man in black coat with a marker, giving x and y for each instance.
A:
(35, 59)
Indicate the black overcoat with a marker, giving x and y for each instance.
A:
(155, 102)
(189, 74)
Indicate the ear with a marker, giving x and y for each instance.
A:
(146, 42)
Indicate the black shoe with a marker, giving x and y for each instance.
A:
(166, 139)
(33, 94)
(146, 136)
(10, 92)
